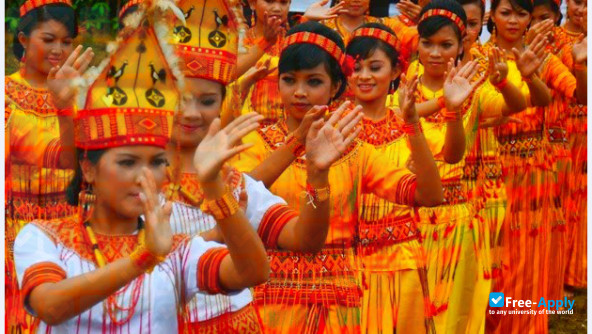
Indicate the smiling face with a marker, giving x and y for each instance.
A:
(576, 10)
(301, 90)
(200, 105)
(274, 8)
(115, 178)
(48, 45)
(372, 77)
(510, 22)
(437, 50)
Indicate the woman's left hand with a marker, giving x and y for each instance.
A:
(318, 12)
(409, 9)
(498, 66)
(219, 145)
(458, 86)
(59, 79)
(328, 140)
(407, 110)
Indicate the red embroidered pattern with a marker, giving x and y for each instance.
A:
(26, 98)
(243, 321)
(382, 132)
(208, 270)
(386, 231)
(273, 223)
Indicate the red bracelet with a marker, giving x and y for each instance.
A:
(441, 102)
(412, 129)
(65, 112)
(296, 146)
(450, 116)
(501, 85)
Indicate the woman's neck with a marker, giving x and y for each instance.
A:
(351, 23)
(33, 77)
(375, 109)
(434, 83)
(183, 156)
(292, 123)
(572, 27)
(105, 221)
(508, 45)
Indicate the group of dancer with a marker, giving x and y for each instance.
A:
(348, 174)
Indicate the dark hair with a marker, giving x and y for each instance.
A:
(553, 6)
(364, 47)
(524, 4)
(433, 24)
(75, 185)
(304, 56)
(479, 3)
(58, 12)
(122, 16)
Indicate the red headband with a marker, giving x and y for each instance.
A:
(128, 5)
(446, 13)
(380, 34)
(29, 5)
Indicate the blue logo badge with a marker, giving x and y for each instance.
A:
(496, 299)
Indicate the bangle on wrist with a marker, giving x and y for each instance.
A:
(450, 116)
(580, 67)
(295, 146)
(144, 259)
(441, 102)
(262, 43)
(316, 195)
(65, 112)
(501, 85)
(412, 129)
(221, 208)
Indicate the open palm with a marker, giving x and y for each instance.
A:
(459, 84)
(498, 66)
(219, 145)
(407, 110)
(318, 12)
(328, 140)
(59, 79)
(532, 58)
(159, 236)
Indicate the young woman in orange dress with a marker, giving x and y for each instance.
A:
(530, 263)
(570, 48)
(115, 265)
(38, 169)
(320, 293)
(453, 244)
(278, 226)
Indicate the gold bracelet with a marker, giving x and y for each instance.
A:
(144, 259)
(317, 195)
(221, 208)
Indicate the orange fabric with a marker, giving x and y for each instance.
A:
(208, 269)
(242, 321)
(37, 274)
(273, 223)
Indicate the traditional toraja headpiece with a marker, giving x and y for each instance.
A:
(380, 34)
(133, 99)
(306, 37)
(446, 13)
(29, 5)
(208, 41)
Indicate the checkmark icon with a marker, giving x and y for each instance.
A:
(496, 299)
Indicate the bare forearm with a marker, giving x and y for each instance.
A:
(429, 186)
(454, 145)
(272, 168)
(57, 302)
(248, 265)
(514, 100)
(581, 75)
(540, 94)
(427, 108)
(248, 60)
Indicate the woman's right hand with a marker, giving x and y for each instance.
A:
(159, 236)
(272, 29)
(407, 110)
(531, 59)
(315, 113)
(59, 79)
(540, 28)
(498, 66)
(459, 84)
(318, 12)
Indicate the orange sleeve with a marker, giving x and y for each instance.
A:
(273, 223)
(208, 270)
(559, 78)
(40, 273)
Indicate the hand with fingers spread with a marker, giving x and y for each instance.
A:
(219, 145)
(318, 12)
(498, 66)
(407, 109)
(459, 84)
(255, 73)
(531, 59)
(59, 79)
(579, 50)
(273, 29)
(328, 140)
(159, 236)
(409, 9)
(544, 27)
(315, 113)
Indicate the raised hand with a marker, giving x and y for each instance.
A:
(498, 66)
(159, 237)
(219, 145)
(529, 61)
(59, 79)
(273, 29)
(409, 9)
(459, 84)
(544, 27)
(315, 113)
(579, 50)
(318, 12)
(407, 109)
(327, 140)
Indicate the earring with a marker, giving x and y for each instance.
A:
(392, 87)
(24, 58)
(86, 201)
